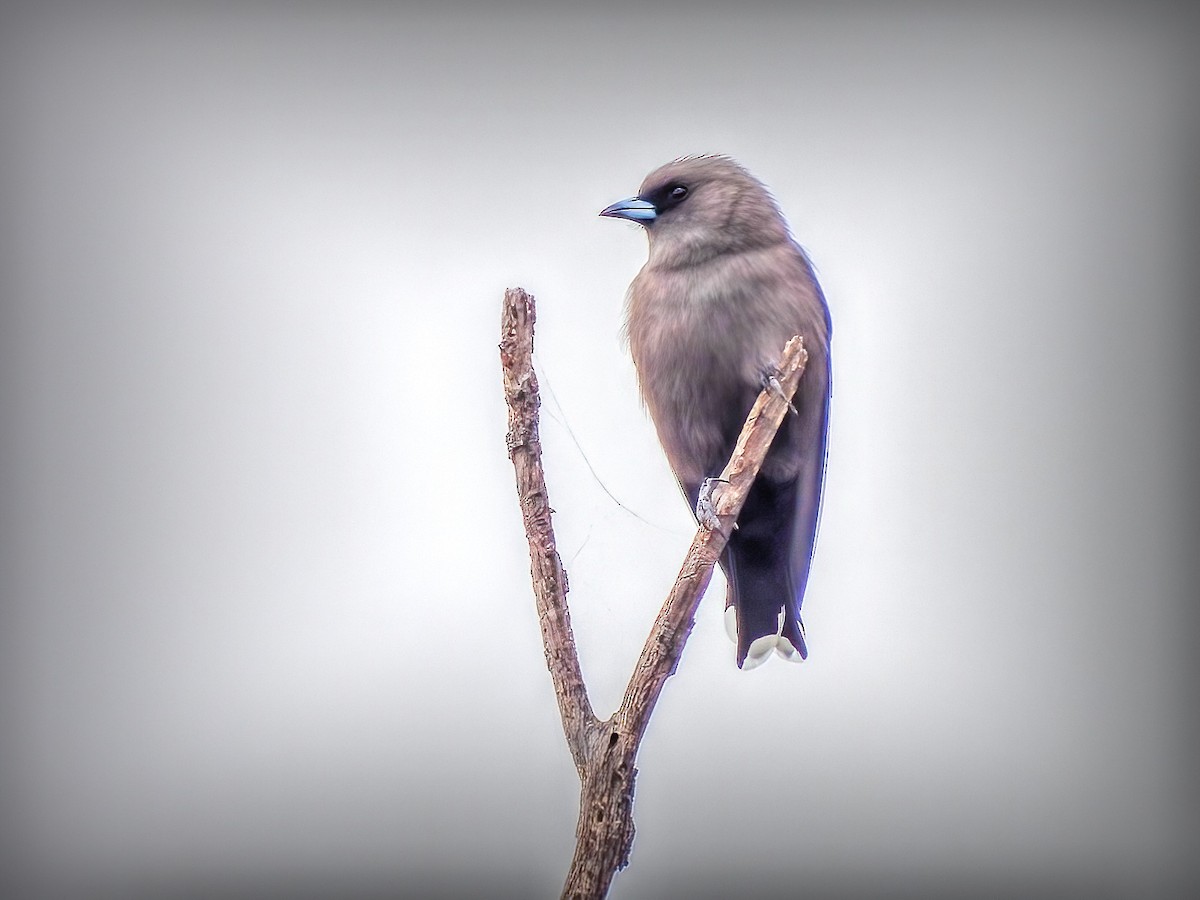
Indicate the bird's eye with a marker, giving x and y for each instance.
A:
(678, 192)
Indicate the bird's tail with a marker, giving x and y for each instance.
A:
(759, 565)
(761, 613)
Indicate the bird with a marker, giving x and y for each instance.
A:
(724, 287)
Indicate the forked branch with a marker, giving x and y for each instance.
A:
(605, 752)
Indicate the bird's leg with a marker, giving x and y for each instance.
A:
(769, 381)
(706, 506)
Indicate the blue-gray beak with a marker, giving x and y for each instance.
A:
(635, 209)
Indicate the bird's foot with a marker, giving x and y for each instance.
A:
(769, 381)
(706, 504)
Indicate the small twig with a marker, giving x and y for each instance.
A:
(605, 752)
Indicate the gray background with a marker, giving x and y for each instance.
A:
(267, 628)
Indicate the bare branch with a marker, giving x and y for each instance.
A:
(605, 752)
(662, 650)
(549, 577)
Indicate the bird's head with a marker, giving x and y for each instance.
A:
(699, 207)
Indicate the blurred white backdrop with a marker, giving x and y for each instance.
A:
(267, 623)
